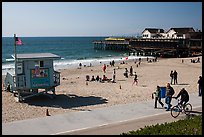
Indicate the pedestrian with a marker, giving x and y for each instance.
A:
(139, 59)
(126, 73)
(135, 79)
(87, 77)
(135, 61)
(8, 88)
(200, 81)
(114, 74)
(104, 68)
(169, 93)
(131, 71)
(157, 97)
(175, 74)
(93, 79)
(80, 65)
(156, 59)
(97, 78)
(104, 78)
(198, 60)
(110, 63)
(113, 63)
(171, 76)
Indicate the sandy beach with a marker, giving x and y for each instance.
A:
(75, 94)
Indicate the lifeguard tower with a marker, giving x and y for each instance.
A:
(34, 74)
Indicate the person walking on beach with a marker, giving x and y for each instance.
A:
(104, 68)
(110, 63)
(175, 74)
(131, 71)
(113, 63)
(169, 93)
(135, 79)
(114, 74)
(171, 76)
(157, 97)
(200, 81)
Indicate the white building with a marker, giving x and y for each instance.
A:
(179, 33)
(153, 33)
(172, 33)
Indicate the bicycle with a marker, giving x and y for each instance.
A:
(180, 108)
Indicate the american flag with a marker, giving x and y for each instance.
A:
(18, 41)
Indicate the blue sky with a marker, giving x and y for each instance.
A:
(96, 18)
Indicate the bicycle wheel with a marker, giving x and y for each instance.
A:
(175, 111)
(187, 108)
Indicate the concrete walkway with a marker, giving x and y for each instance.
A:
(73, 121)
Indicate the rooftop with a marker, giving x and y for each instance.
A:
(37, 56)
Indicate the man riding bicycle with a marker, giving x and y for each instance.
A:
(184, 96)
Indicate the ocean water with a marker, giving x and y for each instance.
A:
(72, 50)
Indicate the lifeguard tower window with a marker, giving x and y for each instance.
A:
(41, 64)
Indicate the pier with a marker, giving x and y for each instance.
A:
(163, 47)
(112, 44)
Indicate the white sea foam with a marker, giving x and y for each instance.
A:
(8, 60)
(63, 63)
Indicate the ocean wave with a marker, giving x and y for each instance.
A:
(10, 60)
(65, 63)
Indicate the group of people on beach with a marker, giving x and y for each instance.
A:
(170, 92)
(135, 80)
(169, 95)
(113, 79)
(80, 65)
(97, 78)
(174, 76)
(195, 61)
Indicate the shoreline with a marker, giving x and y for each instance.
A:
(67, 64)
(74, 95)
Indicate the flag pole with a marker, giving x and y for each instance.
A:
(15, 56)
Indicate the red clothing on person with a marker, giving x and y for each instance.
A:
(104, 78)
(104, 68)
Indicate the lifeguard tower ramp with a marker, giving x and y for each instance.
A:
(34, 75)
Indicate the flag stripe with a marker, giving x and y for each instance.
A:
(18, 41)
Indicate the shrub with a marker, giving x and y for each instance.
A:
(188, 126)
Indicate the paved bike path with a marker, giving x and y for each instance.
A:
(74, 121)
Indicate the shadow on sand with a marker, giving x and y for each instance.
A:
(65, 101)
(181, 84)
